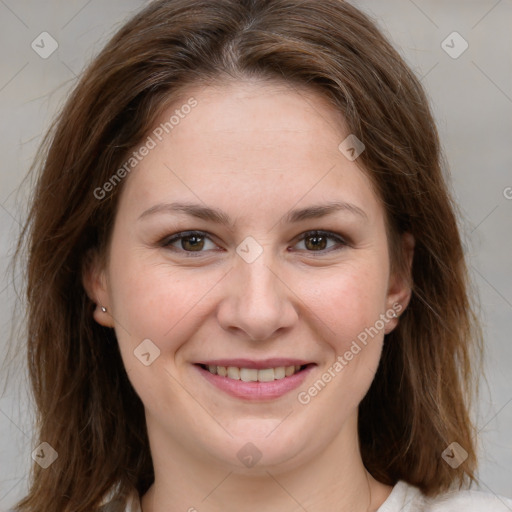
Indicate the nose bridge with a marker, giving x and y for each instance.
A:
(259, 303)
(260, 283)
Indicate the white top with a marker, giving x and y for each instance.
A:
(406, 498)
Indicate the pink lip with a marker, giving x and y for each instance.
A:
(258, 365)
(255, 391)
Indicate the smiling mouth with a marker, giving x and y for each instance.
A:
(253, 374)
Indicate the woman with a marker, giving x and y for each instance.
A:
(246, 283)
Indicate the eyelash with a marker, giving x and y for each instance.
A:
(166, 242)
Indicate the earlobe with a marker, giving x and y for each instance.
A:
(94, 281)
(400, 285)
(102, 316)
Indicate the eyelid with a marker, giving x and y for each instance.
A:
(166, 241)
(328, 234)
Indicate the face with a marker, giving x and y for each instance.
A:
(287, 266)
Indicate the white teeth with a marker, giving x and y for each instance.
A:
(266, 375)
(279, 373)
(248, 374)
(289, 370)
(234, 373)
(252, 374)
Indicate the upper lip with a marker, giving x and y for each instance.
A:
(258, 365)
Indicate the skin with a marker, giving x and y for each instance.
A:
(255, 150)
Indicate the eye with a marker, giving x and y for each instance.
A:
(317, 241)
(188, 242)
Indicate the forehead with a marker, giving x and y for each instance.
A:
(244, 143)
(240, 119)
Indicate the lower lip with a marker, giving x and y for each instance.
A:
(256, 390)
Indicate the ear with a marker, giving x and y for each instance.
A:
(400, 283)
(94, 280)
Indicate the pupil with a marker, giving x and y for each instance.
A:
(194, 242)
(319, 242)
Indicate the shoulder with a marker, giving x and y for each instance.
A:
(469, 501)
(407, 498)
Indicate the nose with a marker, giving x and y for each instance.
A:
(257, 301)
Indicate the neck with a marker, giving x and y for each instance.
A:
(334, 479)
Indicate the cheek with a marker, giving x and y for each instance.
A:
(157, 302)
(349, 305)
(346, 299)
(160, 304)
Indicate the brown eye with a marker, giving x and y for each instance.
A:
(192, 243)
(318, 241)
(188, 242)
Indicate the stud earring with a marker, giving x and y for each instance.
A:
(103, 309)
(394, 315)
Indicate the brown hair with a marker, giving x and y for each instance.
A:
(87, 409)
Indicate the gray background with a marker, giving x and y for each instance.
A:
(472, 100)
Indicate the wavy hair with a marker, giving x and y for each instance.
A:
(87, 410)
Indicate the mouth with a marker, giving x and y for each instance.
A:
(254, 374)
(263, 383)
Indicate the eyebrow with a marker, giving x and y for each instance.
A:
(219, 217)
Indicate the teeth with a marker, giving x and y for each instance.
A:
(252, 374)
(279, 373)
(266, 375)
(289, 370)
(234, 373)
(248, 374)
